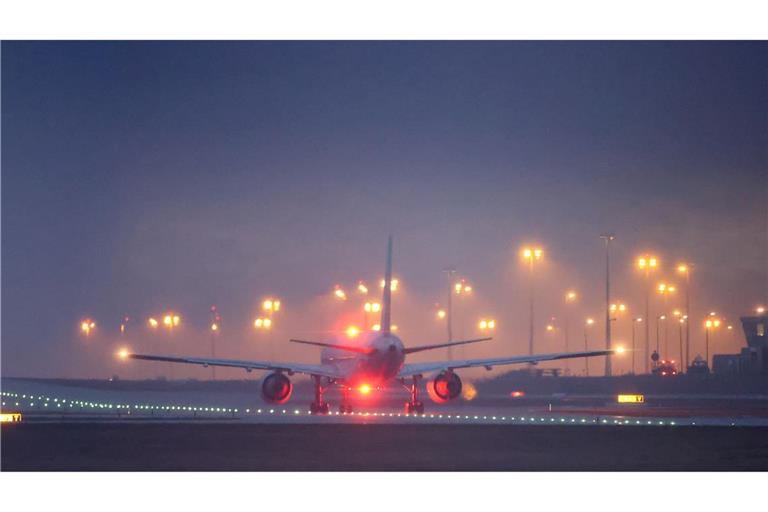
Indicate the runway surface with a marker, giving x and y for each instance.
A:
(182, 426)
(371, 447)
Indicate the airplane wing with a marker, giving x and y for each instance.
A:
(309, 369)
(410, 370)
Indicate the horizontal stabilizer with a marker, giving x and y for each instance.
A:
(349, 348)
(411, 350)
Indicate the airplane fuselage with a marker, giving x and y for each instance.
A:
(374, 369)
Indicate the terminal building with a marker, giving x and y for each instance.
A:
(753, 359)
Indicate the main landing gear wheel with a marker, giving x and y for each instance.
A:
(414, 407)
(321, 408)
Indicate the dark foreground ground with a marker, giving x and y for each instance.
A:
(256, 447)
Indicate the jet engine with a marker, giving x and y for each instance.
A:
(276, 388)
(446, 386)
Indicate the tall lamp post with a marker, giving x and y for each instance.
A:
(271, 306)
(685, 269)
(646, 264)
(615, 310)
(531, 255)
(215, 329)
(587, 324)
(570, 298)
(710, 324)
(449, 314)
(665, 290)
(634, 322)
(608, 237)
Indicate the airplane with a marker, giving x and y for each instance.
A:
(378, 359)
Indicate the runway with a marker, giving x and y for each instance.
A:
(51, 402)
(77, 427)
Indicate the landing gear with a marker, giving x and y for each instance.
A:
(319, 406)
(322, 408)
(414, 406)
(345, 407)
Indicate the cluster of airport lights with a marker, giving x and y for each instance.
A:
(270, 306)
(117, 408)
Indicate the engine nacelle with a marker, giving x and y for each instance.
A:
(446, 386)
(276, 388)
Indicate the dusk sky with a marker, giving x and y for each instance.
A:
(143, 176)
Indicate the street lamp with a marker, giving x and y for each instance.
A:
(570, 298)
(86, 326)
(659, 319)
(215, 329)
(646, 264)
(587, 324)
(368, 308)
(339, 293)
(608, 237)
(681, 322)
(665, 290)
(393, 286)
(486, 325)
(634, 322)
(710, 324)
(531, 255)
(686, 269)
(362, 288)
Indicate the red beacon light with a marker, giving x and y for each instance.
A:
(517, 394)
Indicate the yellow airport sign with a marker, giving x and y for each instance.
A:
(630, 399)
(10, 417)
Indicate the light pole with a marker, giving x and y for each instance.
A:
(665, 290)
(271, 306)
(710, 324)
(615, 310)
(570, 297)
(634, 321)
(171, 320)
(646, 264)
(685, 269)
(368, 308)
(589, 322)
(460, 288)
(658, 319)
(87, 326)
(608, 237)
(680, 332)
(215, 329)
(531, 255)
(449, 315)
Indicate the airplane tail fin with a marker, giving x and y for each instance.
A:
(386, 302)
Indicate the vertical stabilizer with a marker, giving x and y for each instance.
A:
(386, 301)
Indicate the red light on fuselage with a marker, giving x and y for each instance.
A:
(517, 394)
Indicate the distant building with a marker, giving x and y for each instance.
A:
(754, 357)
